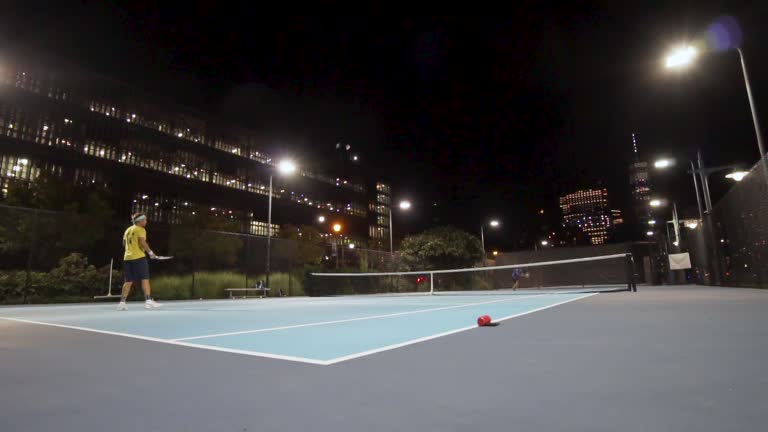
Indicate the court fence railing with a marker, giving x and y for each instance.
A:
(57, 256)
(730, 247)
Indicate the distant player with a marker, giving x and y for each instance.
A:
(517, 274)
(135, 263)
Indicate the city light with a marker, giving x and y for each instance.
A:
(351, 245)
(336, 227)
(321, 219)
(495, 253)
(737, 175)
(649, 233)
(676, 243)
(691, 224)
(286, 166)
(405, 205)
(544, 242)
(494, 223)
(651, 222)
(662, 163)
(681, 56)
(655, 203)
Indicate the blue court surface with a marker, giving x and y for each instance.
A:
(321, 331)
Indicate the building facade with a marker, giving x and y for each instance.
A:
(170, 161)
(587, 211)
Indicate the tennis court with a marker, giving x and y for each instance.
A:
(312, 330)
(663, 358)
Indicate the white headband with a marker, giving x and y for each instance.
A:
(140, 218)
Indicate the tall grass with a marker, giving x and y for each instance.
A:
(210, 285)
(206, 285)
(279, 281)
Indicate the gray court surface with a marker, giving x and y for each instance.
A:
(662, 359)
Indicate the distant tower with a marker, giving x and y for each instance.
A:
(639, 179)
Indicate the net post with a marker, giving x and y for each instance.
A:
(111, 264)
(431, 283)
(630, 272)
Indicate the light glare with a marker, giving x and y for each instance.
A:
(737, 175)
(681, 56)
(286, 167)
(662, 163)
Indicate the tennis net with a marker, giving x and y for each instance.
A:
(605, 273)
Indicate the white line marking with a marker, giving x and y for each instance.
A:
(173, 342)
(292, 358)
(426, 338)
(263, 330)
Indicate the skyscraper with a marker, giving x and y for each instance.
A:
(639, 180)
(588, 211)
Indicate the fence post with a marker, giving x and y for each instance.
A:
(431, 283)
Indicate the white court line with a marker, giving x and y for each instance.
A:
(269, 329)
(173, 342)
(290, 358)
(426, 338)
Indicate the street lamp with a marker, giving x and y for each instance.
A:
(336, 228)
(737, 175)
(285, 167)
(404, 205)
(544, 242)
(665, 163)
(681, 56)
(321, 219)
(685, 55)
(655, 203)
(651, 222)
(494, 224)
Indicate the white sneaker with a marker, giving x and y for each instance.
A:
(151, 304)
(122, 306)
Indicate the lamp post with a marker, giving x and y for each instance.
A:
(493, 223)
(704, 174)
(404, 205)
(285, 167)
(685, 55)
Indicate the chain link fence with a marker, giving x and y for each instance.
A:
(49, 256)
(731, 249)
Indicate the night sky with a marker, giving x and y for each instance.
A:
(486, 116)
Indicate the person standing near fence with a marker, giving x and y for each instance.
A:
(135, 263)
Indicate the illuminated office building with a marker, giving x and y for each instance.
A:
(166, 160)
(588, 211)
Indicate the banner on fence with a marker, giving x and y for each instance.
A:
(681, 261)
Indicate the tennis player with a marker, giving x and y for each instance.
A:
(516, 275)
(135, 263)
